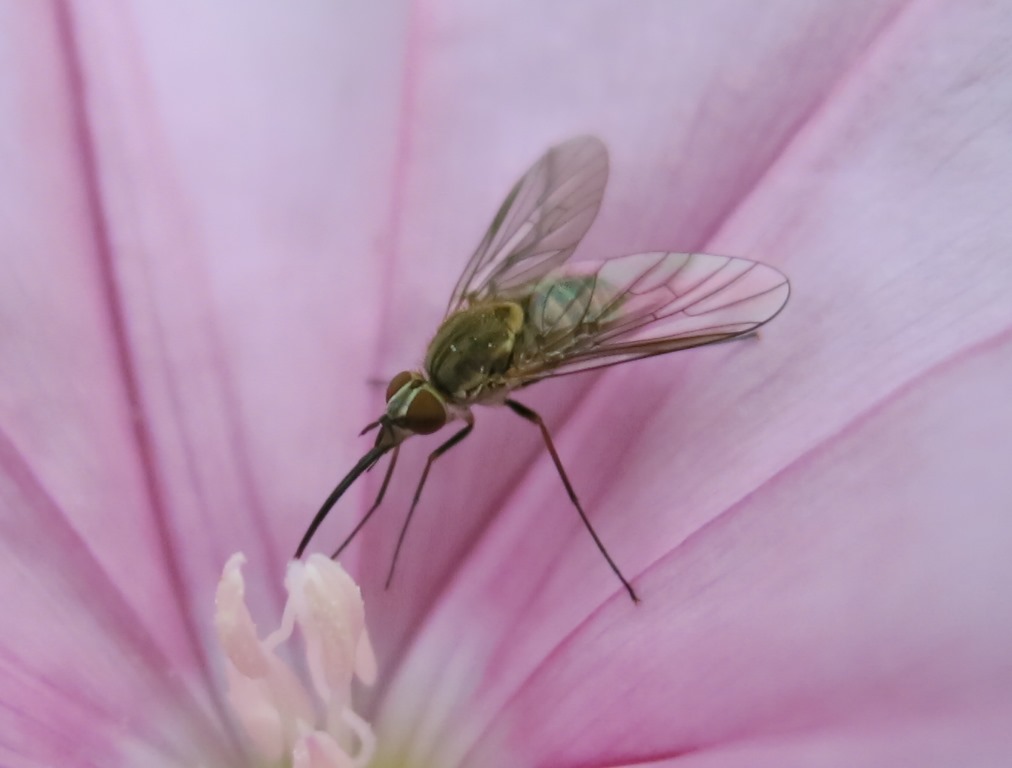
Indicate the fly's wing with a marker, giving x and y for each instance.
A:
(540, 223)
(595, 315)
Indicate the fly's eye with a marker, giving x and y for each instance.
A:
(397, 383)
(426, 413)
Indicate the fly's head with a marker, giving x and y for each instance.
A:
(414, 407)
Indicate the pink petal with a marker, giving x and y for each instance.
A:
(859, 590)
(142, 248)
(221, 218)
(67, 404)
(84, 682)
(975, 738)
(918, 232)
(182, 297)
(805, 135)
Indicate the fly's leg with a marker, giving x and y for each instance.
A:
(375, 505)
(418, 491)
(526, 413)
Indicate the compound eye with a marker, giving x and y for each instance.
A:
(426, 413)
(397, 383)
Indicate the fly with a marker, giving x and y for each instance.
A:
(520, 314)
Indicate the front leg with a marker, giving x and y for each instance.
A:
(421, 483)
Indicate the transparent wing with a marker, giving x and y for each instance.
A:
(540, 223)
(597, 314)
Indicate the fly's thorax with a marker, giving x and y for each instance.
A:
(414, 404)
(473, 348)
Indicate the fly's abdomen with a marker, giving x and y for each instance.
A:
(570, 306)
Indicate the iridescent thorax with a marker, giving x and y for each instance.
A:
(473, 349)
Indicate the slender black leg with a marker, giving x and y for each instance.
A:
(375, 504)
(524, 412)
(418, 491)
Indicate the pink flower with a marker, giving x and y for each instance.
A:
(220, 222)
(278, 714)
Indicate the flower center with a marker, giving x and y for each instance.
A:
(287, 722)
